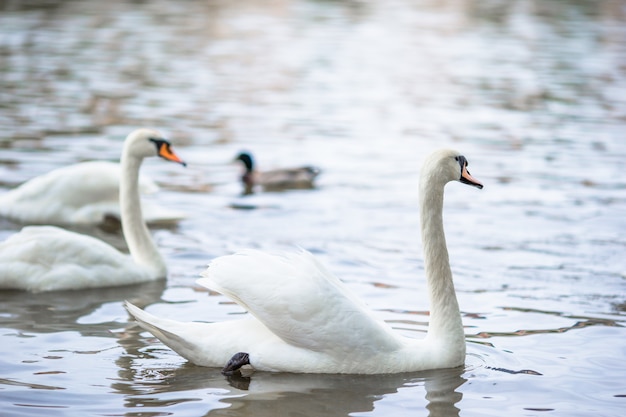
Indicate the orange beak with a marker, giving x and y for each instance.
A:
(166, 152)
(466, 178)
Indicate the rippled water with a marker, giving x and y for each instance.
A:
(532, 92)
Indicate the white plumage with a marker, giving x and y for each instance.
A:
(47, 258)
(84, 193)
(303, 319)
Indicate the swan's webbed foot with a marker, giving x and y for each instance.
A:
(237, 361)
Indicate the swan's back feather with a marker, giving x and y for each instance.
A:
(295, 297)
(48, 258)
(82, 193)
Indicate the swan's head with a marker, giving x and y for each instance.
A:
(448, 165)
(246, 158)
(143, 143)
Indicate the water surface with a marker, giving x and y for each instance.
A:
(532, 92)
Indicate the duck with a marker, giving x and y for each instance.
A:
(277, 179)
(49, 258)
(85, 194)
(302, 319)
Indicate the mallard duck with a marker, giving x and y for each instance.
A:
(276, 179)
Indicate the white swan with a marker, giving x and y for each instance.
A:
(305, 320)
(47, 258)
(84, 193)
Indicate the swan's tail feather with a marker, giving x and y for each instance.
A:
(184, 338)
(159, 327)
(204, 344)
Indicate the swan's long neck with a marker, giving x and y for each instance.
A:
(445, 319)
(136, 233)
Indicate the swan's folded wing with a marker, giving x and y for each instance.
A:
(82, 193)
(48, 258)
(299, 301)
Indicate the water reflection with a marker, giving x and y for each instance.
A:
(266, 394)
(69, 310)
(532, 90)
(323, 395)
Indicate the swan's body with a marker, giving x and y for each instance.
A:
(306, 320)
(47, 258)
(84, 193)
(277, 179)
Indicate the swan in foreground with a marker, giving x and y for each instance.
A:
(48, 258)
(276, 179)
(305, 320)
(84, 193)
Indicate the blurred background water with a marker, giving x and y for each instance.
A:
(532, 92)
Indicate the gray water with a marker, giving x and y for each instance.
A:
(532, 92)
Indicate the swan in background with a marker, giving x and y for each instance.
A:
(47, 258)
(305, 320)
(277, 179)
(81, 194)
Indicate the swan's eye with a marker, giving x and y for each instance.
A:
(161, 144)
(461, 160)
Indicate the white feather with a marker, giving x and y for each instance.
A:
(47, 258)
(83, 193)
(305, 320)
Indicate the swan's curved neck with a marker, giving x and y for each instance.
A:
(138, 238)
(445, 318)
